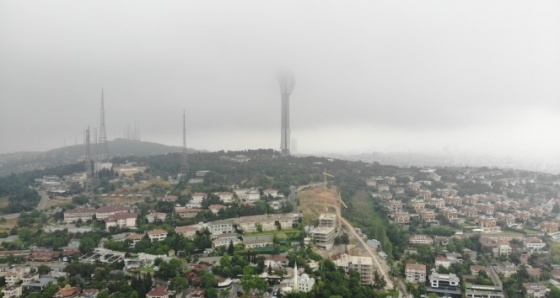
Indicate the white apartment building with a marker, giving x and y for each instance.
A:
(362, 265)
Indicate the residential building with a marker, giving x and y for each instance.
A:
(154, 216)
(197, 197)
(187, 231)
(428, 215)
(483, 291)
(507, 269)
(418, 204)
(225, 197)
(79, 214)
(105, 211)
(444, 285)
(67, 292)
(258, 241)
(534, 244)
(535, 290)
(362, 265)
(159, 292)
(275, 261)
(327, 220)
(394, 205)
(420, 239)
(488, 224)
(223, 240)
(450, 213)
(415, 273)
(121, 220)
(401, 217)
(443, 261)
(12, 291)
(184, 212)
(157, 235)
(324, 236)
(221, 226)
(215, 208)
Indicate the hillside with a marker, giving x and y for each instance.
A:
(26, 161)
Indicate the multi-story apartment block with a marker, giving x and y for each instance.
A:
(221, 226)
(226, 197)
(121, 220)
(444, 284)
(414, 186)
(223, 240)
(483, 291)
(534, 244)
(420, 239)
(454, 201)
(105, 211)
(535, 290)
(426, 194)
(418, 204)
(470, 211)
(324, 236)
(488, 224)
(401, 217)
(415, 273)
(197, 197)
(394, 205)
(362, 265)
(450, 213)
(75, 215)
(428, 215)
(157, 235)
(327, 220)
(187, 231)
(437, 202)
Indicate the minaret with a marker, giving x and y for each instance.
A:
(295, 288)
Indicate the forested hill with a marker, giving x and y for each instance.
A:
(26, 161)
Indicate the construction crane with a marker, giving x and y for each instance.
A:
(341, 201)
(325, 174)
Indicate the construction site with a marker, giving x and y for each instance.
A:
(316, 203)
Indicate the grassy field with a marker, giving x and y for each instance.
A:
(4, 202)
(57, 202)
(8, 225)
(312, 202)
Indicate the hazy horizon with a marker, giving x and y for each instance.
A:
(385, 76)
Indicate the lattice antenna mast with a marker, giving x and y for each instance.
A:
(103, 149)
(89, 177)
(184, 160)
(287, 84)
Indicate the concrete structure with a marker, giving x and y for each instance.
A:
(327, 220)
(258, 241)
(324, 236)
(444, 285)
(483, 291)
(287, 84)
(415, 273)
(534, 244)
(420, 239)
(535, 290)
(157, 235)
(75, 215)
(362, 265)
(121, 220)
(223, 240)
(153, 216)
(187, 231)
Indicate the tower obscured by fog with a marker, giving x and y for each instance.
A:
(287, 84)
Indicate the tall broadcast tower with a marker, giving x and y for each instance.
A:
(88, 169)
(102, 144)
(184, 161)
(287, 84)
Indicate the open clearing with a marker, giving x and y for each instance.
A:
(8, 224)
(313, 201)
(58, 201)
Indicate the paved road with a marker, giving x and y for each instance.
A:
(10, 216)
(44, 200)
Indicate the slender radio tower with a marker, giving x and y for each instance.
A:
(184, 160)
(89, 176)
(287, 84)
(103, 150)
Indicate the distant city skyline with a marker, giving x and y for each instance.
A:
(379, 76)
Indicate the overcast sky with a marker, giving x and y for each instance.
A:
(475, 76)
